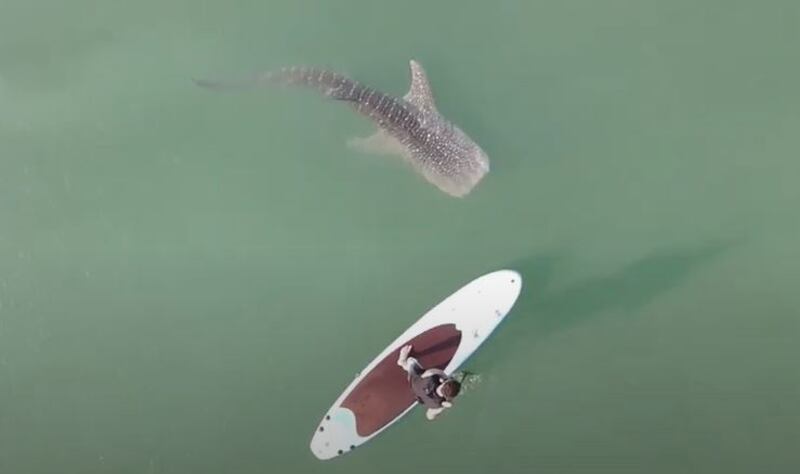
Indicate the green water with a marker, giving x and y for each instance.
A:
(188, 279)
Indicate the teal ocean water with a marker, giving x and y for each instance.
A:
(189, 279)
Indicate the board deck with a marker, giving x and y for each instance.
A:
(443, 338)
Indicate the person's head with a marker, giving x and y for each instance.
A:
(450, 389)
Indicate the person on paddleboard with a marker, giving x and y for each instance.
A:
(433, 388)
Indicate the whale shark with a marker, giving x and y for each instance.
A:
(408, 126)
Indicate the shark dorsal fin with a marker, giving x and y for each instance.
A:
(420, 92)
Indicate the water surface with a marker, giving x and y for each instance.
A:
(188, 280)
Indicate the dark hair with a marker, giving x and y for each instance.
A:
(450, 389)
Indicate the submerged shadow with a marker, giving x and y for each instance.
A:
(544, 311)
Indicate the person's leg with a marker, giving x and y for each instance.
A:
(401, 360)
(409, 364)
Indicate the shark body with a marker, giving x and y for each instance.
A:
(410, 126)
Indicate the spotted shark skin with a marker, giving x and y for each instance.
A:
(410, 126)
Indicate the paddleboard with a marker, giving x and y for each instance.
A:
(444, 338)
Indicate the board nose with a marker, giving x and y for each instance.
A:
(508, 293)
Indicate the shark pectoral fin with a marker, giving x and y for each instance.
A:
(379, 143)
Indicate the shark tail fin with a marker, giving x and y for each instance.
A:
(248, 83)
(329, 83)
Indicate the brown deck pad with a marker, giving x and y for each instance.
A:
(385, 393)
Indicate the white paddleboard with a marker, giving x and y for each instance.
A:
(444, 337)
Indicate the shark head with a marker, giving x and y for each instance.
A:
(468, 162)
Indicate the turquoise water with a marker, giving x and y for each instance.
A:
(188, 279)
